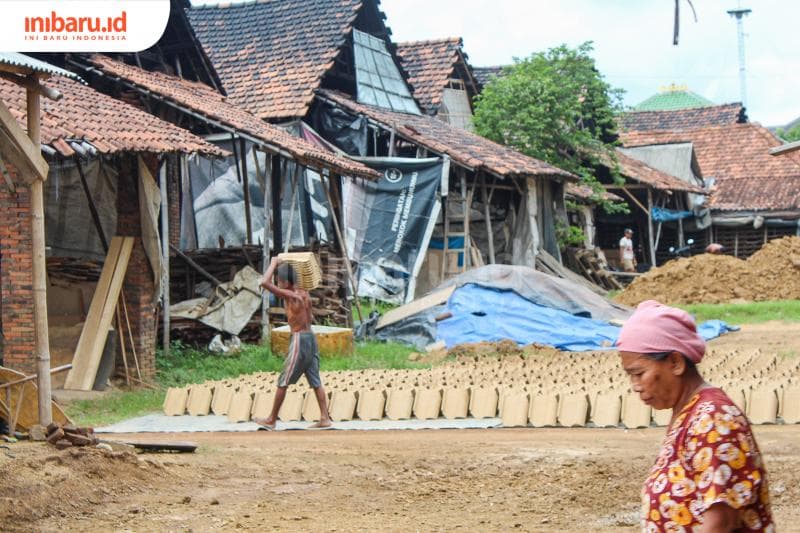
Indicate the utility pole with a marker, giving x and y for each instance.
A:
(739, 13)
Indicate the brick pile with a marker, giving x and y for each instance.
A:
(542, 389)
(772, 273)
(67, 436)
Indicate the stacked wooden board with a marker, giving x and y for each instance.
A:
(101, 313)
(306, 266)
(548, 389)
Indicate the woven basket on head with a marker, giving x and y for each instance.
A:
(309, 274)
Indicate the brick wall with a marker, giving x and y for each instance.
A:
(174, 199)
(138, 288)
(16, 279)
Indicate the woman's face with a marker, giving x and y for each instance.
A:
(656, 382)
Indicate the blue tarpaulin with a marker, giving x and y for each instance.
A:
(483, 314)
(661, 214)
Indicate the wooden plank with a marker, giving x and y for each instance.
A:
(28, 408)
(18, 148)
(417, 306)
(95, 330)
(93, 316)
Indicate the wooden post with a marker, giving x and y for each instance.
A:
(266, 332)
(342, 244)
(248, 222)
(39, 270)
(680, 232)
(446, 245)
(391, 142)
(277, 183)
(487, 216)
(162, 184)
(650, 226)
(736, 243)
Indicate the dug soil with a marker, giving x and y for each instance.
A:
(772, 273)
(471, 480)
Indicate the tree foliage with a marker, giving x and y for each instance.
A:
(790, 135)
(555, 106)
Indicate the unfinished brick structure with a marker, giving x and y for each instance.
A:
(16, 278)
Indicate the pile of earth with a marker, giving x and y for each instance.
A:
(772, 273)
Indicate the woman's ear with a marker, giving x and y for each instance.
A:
(677, 363)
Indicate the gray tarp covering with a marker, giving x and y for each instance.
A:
(537, 287)
(232, 306)
(218, 198)
(70, 229)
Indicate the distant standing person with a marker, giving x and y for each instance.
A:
(715, 248)
(303, 356)
(626, 255)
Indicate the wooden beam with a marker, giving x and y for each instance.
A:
(488, 218)
(19, 150)
(266, 331)
(650, 227)
(39, 263)
(276, 183)
(248, 222)
(165, 246)
(636, 201)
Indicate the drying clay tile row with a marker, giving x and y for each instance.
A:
(569, 390)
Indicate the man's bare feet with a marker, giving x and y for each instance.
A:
(265, 423)
(322, 424)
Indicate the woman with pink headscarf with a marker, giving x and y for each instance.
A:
(709, 475)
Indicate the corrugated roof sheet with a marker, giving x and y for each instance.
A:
(737, 157)
(108, 125)
(463, 147)
(643, 173)
(31, 63)
(206, 101)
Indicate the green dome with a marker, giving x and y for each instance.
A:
(671, 98)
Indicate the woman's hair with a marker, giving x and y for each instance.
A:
(286, 273)
(662, 356)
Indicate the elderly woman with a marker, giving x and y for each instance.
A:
(709, 475)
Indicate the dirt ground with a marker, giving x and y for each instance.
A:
(472, 480)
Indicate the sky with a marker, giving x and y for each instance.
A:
(633, 43)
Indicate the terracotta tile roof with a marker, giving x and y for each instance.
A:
(587, 194)
(485, 74)
(206, 101)
(272, 55)
(463, 147)
(430, 66)
(641, 172)
(108, 125)
(682, 119)
(737, 157)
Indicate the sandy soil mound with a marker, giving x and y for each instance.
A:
(45, 483)
(772, 273)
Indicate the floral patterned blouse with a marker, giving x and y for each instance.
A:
(709, 456)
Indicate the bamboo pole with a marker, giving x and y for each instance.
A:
(162, 184)
(266, 332)
(343, 246)
(650, 227)
(248, 222)
(39, 269)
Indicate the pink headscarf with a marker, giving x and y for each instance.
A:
(655, 327)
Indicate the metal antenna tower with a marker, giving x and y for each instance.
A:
(740, 13)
